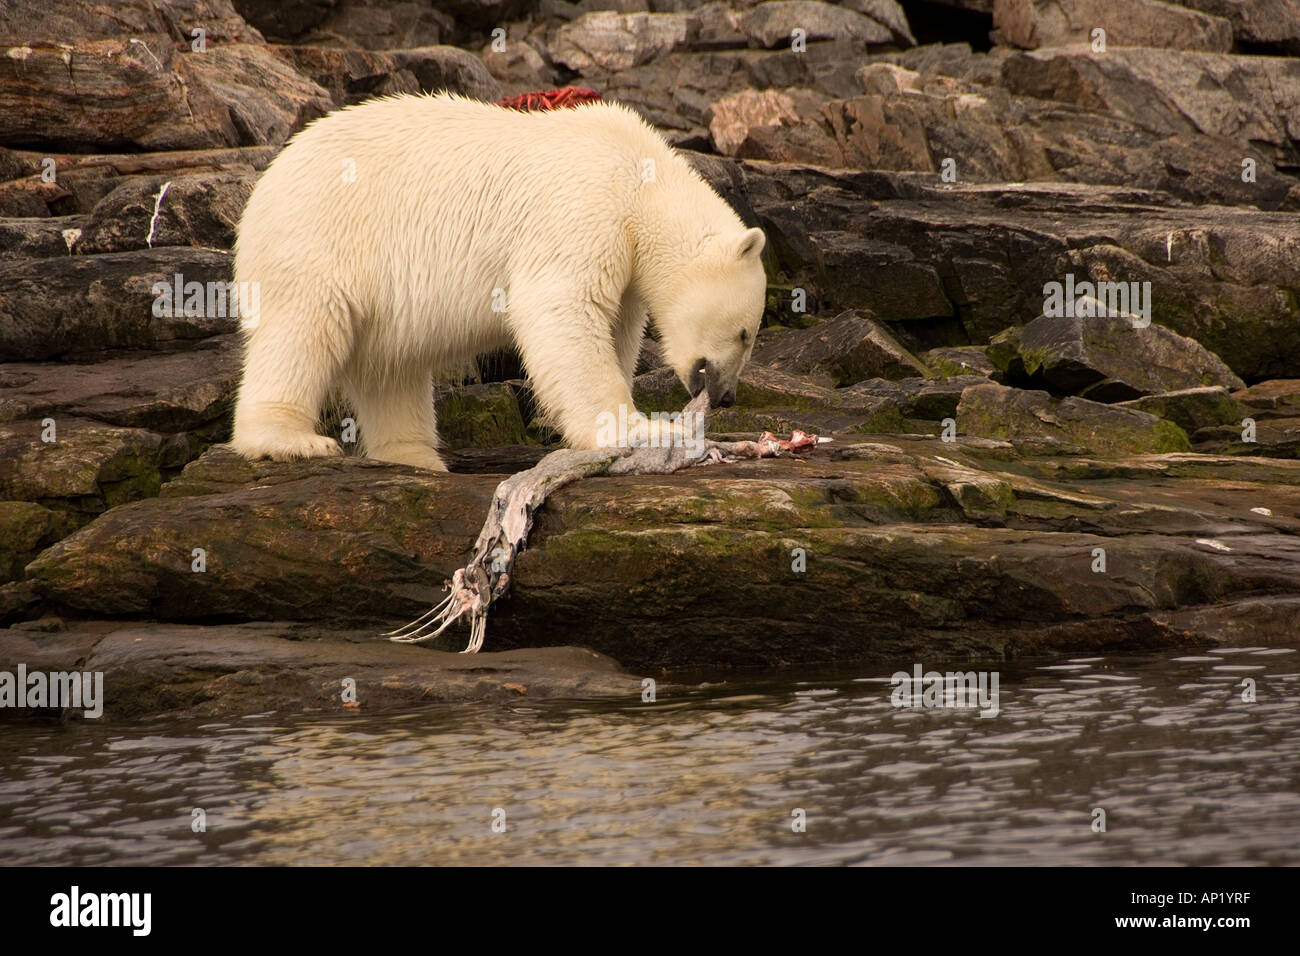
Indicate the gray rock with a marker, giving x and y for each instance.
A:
(1272, 399)
(27, 529)
(197, 210)
(611, 42)
(887, 12)
(1271, 438)
(140, 93)
(1193, 408)
(924, 398)
(959, 360)
(1106, 358)
(155, 669)
(377, 25)
(84, 304)
(89, 466)
(1135, 23)
(772, 24)
(165, 392)
(1270, 23)
(1071, 425)
(1243, 99)
(1224, 276)
(39, 238)
(849, 348)
(479, 416)
(220, 20)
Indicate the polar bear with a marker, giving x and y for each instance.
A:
(409, 234)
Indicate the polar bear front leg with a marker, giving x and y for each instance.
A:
(629, 333)
(573, 363)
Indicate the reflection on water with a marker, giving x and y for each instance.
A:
(1186, 772)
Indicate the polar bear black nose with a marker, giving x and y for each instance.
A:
(728, 399)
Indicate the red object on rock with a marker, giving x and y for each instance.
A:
(550, 99)
(769, 443)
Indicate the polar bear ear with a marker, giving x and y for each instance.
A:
(751, 243)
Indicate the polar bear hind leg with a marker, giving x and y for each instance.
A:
(396, 420)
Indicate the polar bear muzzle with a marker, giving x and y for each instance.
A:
(706, 374)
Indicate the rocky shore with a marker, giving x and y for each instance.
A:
(1006, 478)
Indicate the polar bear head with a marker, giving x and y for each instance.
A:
(708, 321)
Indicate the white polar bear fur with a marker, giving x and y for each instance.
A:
(371, 285)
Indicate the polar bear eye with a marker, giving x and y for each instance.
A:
(744, 336)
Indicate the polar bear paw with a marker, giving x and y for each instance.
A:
(287, 446)
(419, 454)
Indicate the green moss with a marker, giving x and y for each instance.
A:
(26, 529)
(885, 421)
(1003, 349)
(1169, 437)
(1033, 359)
(481, 416)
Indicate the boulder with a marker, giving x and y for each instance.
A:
(480, 416)
(1070, 425)
(880, 276)
(1242, 99)
(849, 348)
(139, 93)
(1273, 24)
(27, 529)
(196, 210)
(83, 181)
(1270, 438)
(88, 466)
(1106, 357)
(922, 398)
(1138, 23)
(39, 238)
(1278, 398)
(519, 67)
(609, 41)
(369, 24)
(351, 76)
(889, 13)
(226, 670)
(733, 117)
(959, 360)
(780, 402)
(960, 263)
(983, 118)
(772, 24)
(1192, 409)
(220, 20)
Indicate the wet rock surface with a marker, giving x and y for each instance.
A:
(1004, 479)
(220, 670)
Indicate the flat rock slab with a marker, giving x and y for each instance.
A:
(82, 305)
(153, 669)
(167, 392)
(909, 547)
